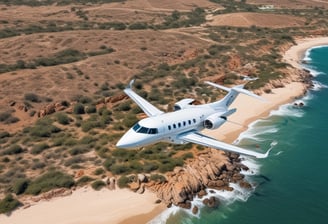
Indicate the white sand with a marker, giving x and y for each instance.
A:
(100, 207)
(85, 206)
(296, 53)
(250, 109)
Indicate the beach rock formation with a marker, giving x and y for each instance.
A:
(210, 169)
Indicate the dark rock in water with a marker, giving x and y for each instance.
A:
(298, 104)
(212, 192)
(169, 205)
(243, 167)
(237, 176)
(201, 193)
(211, 202)
(245, 184)
(195, 210)
(185, 205)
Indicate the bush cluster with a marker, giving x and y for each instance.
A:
(49, 181)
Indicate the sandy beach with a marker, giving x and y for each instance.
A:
(86, 206)
(296, 53)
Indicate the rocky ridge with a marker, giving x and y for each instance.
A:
(210, 169)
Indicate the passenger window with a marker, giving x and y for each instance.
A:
(194, 120)
(174, 126)
(189, 121)
(184, 123)
(179, 124)
(169, 127)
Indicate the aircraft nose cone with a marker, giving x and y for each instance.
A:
(122, 143)
(129, 140)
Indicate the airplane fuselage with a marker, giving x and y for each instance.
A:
(166, 127)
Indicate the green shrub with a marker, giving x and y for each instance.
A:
(78, 109)
(98, 184)
(79, 149)
(157, 178)
(4, 134)
(150, 166)
(84, 180)
(19, 186)
(168, 164)
(90, 124)
(38, 165)
(4, 116)
(62, 118)
(44, 130)
(9, 204)
(91, 109)
(123, 181)
(13, 149)
(187, 155)
(119, 169)
(37, 149)
(74, 160)
(126, 106)
(99, 171)
(49, 181)
(32, 97)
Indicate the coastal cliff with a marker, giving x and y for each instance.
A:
(210, 169)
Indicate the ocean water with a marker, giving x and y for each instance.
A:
(292, 184)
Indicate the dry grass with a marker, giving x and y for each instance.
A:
(296, 4)
(256, 19)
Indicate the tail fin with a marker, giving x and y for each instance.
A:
(232, 94)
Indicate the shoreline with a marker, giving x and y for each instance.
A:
(124, 206)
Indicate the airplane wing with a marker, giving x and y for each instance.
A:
(147, 107)
(204, 140)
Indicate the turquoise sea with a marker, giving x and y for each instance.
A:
(292, 184)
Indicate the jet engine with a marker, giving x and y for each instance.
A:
(214, 121)
(182, 104)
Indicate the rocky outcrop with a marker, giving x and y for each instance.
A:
(50, 108)
(115, 99)
(210, 169)
(60, 192)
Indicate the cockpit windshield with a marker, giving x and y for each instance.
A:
(140, 129)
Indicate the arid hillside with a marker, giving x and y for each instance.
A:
(291, 4)
(256, 19)
(64, 65)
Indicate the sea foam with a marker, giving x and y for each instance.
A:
(225, 197)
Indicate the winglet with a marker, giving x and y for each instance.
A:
(239, 89)
(263, 156)
(130, 84)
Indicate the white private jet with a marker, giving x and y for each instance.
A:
(184, 124)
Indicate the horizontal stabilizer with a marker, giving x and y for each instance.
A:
(229, 112)
(239, 89)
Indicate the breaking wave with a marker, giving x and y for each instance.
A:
(287, 110)
(256, 133)
(225, 197)
(316, 86)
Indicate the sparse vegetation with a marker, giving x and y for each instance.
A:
(98, 184)
(48, 181)
(84, 135)
(8, 204)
